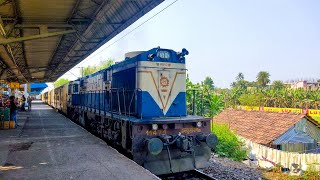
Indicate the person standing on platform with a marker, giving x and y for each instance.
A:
(29, 100)
(1, 102)
(23, 102)
(13, 110)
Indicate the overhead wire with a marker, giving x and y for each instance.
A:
(125, 35)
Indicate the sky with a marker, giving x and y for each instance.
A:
(225, 37)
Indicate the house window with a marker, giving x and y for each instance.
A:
(278, 147)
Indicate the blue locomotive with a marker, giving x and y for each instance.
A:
(139, 104)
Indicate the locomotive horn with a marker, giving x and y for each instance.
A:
(184, 52)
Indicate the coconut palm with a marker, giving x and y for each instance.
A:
(263, 78)
(240, 76)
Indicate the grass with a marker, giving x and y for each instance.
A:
(276, 174)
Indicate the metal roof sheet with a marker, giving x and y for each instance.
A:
(41, 40)
(38, 85)
(293, 137)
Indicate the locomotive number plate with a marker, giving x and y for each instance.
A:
(190, 130)
(156, 133)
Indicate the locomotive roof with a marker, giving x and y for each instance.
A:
(140, 57)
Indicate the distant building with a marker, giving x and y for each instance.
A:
(283, 131)
(305, 85)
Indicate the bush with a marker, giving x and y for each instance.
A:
(229, 145)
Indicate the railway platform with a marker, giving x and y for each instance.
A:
(47, 145)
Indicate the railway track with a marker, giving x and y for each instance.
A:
(189, 175)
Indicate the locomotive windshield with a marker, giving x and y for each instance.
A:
(164, 55)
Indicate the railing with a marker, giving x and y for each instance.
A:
(195, 102)
(115, 101)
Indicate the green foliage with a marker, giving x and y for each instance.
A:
(88, 70)
(282, 98)
(60, 82)
(202, 99)
(247, 93)
(216, 105)
(208, 101)
(311, 173)
(277, 85)
(194, 94)
(106, 63)
(263, 78)
(232, 97)
(251, 99)
(92, 69)
(229, 145)
(243, 84)
(208, 82)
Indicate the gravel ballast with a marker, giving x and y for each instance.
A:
(223, 168)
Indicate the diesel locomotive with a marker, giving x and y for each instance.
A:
(139, 104)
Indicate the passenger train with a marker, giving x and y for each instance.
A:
(139, 104)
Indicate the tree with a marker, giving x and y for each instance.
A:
(240, 83)
(263, 78)
(240, 76)
(92, 69)
(277, 85)
(216, 105)
(194, 97)
(88, 70)
(251, 99)
(106, 64)
(208, 82)
(60, 82)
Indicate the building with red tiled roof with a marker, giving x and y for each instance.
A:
(285, 131)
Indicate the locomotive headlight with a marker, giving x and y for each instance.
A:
(199, 124)
(154, 127)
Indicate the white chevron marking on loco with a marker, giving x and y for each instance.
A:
(163, 84)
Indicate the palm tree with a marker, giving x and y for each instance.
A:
(209, 82)
(240, 76)
(263, 78)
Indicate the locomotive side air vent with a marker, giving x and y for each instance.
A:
(132, 54)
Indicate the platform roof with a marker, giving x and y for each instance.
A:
(40, 40)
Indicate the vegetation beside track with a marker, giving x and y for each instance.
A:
(207, 100)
